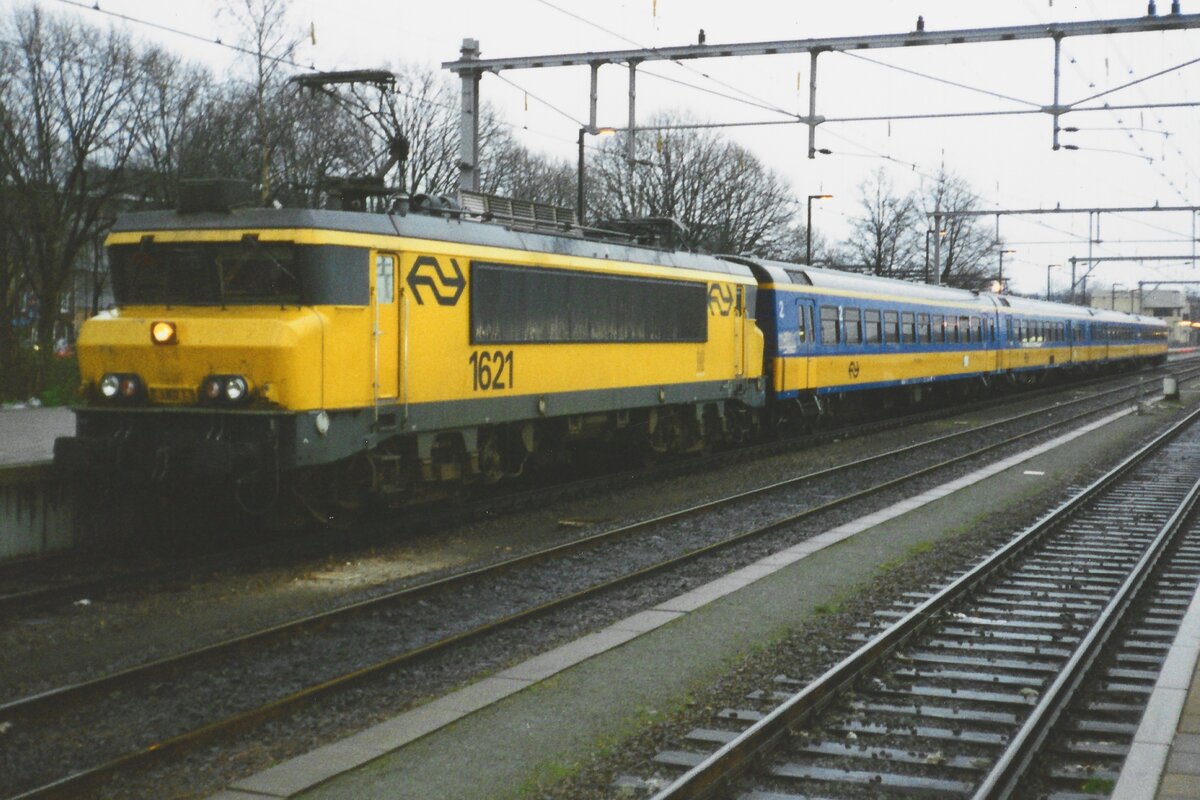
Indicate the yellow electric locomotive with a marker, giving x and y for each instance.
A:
(333, 354)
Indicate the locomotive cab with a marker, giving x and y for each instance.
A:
(223, 343)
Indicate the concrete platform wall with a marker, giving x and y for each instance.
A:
(37, 512)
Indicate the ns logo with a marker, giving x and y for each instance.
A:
(444, 286)
(720, 299)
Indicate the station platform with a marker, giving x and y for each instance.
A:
(530, 724)
(27, 434)
(1164, 762)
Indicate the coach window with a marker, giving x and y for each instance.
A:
(829, 325)
(871, 320)
(908, 326)
(976, 331)
(938, 323)
(923, 328)
(951, 329)
(801, 328)
(891, 329)
(850, 318)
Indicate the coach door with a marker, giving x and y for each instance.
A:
(739, 330)
(385, 334)
(806, 314)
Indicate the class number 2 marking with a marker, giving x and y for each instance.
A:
(491, 370)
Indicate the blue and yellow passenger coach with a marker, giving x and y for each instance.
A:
(836, 341)
(378, 352)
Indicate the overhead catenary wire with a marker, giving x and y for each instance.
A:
(938, 79)
(746, 97)
(95, 7)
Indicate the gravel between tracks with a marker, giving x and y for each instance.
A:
(206, 607)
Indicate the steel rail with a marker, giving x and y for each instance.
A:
(715, 773)
(244, 720)
(102, 583)
(31, 704)
(1007, 773)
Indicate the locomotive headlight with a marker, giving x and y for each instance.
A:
(109, 385)
(163, 333)
(212, 389)
(229, 389)
(235, 388)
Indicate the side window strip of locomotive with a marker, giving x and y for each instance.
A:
(515, 304)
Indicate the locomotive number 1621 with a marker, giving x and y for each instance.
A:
(491, 370)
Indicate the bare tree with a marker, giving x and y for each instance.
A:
(265, 33)
(515, 171)
(65, 140)
(726, 197)
(793, 247)
(178, 95)
(966, 246)
(320, 142)
(12, 274)
(882, 238)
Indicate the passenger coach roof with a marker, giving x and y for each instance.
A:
(1028, 305)
(836, 280)
(783, 272)
(422, 226)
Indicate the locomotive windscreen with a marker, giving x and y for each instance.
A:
(511, 305)
(246, 272)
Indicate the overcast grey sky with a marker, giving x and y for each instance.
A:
(1127, 158)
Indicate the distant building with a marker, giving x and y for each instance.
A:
(1170, 305)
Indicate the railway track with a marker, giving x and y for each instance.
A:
(419, 608)
(958, 696)
(56, 579)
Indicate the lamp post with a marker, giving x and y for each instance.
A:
(1000, 269)
(580, 201)
(1113, 296)
(808, 233)
(1048, 266)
